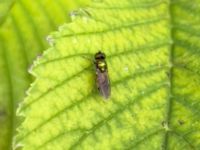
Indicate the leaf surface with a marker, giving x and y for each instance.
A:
(152, 50)
(23, 28)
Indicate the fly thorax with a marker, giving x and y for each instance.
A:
(102, 66)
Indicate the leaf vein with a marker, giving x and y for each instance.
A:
(149, 91)
(85, 98)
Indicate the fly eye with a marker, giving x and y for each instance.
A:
(102, 57)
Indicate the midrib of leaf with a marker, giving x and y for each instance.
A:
(11, 95)
(167, 122)
(170, 75)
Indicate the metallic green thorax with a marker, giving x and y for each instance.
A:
(101, 65)
(100, 62)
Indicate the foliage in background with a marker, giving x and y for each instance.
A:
(24, 26)
(152, 49)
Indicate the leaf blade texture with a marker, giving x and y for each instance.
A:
(23, 28)
(152, 55)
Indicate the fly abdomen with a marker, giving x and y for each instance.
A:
(102, 78)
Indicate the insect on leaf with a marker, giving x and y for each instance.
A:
(152, 49)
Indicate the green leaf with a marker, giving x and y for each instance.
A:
(5, 7)
(23, 28)
(152, 50)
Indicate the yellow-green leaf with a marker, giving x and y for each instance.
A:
(5, 7)
(152, 49)
(23, 28)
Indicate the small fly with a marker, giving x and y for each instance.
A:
(102, 78)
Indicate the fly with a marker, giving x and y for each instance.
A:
(102, 78)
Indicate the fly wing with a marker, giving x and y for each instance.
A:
(103, 84)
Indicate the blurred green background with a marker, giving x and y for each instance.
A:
(24, 26)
